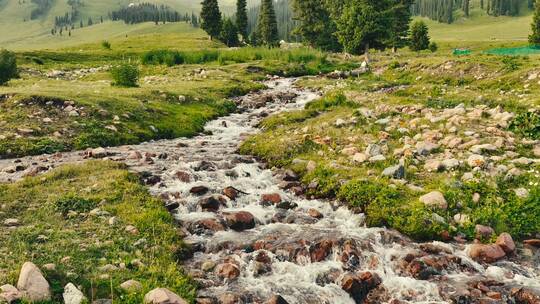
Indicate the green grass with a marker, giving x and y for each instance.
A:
(55, 223)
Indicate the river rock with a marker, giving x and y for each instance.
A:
(204, 225)
(163, 296)
(506, 242)
(359, 286)
(272, 199)
(315, 213)
(72, 295)
(32, 284)
(231, 192)
(276, 299)
(183, 176)
(532, 242)
(227, 271)
(239, 221)
(434, 199)
(199, 190)
(526, 295)
(320, 251)
(486, 253)
(211, 203)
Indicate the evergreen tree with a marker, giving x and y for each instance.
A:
(401, 18)
(81, 24)
(194, 20)
(229, 33)
(211, 18)
(267, 30)
(316, 26)
(242, 19)
(90, 22)
(419, 36)
(534, 38)
(363, 24)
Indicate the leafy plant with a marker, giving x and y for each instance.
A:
(106, 44)
(433, 47)
(510, 63)
(527, 124)
(125, 75)
(75, 203)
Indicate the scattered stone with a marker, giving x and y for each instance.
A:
(199, 190)
(483, 232)
(315, 213)
(131, 286)
(276, 299)
(397, 172)
(476, 160)
(373, 150)
(11, 222)
(211, 203)
(9, 294)
(131, 229)
(360, 158)
(231, 192)
(272, 199)
(434, 199)
(72, 295)
(33, 286)
(208, 266)
(163, 296)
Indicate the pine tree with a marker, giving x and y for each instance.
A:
(401, 18)
(316, 26)
(242, 19)
(534, 38)
(211, 18)
(229, 33)
(267, 30)
(419, 36)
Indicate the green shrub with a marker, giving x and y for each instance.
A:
(510, 63)
(361, 193)
(331, 100)
(106, 44)
(72, 202)
(125, 75)
(8, 66)
(433, 47)
(527, 124)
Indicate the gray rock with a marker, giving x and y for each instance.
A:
(425, 147)
(373, 150)
(476, 160)
(397, 172)
(72, 295)
(11, 222)
(9, 294)
(434, 199)
(32, 284)
(131, 286)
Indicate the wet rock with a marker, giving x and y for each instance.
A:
(163, 296)
(205, 225)
(211, 203)
(532, 242)
(171, 206)
(506, 242)
(271, 199)
(183, 176)
(72, 295)
(199, 190)
(315, 213)
(286, 205)
(206, 166)
(320, 251)
(230, 298)
(486, 253)
(359, 286)
(526, 295)
(483, 232)
(276, 299)
(205, 301)
(227, 271)
(231, 192)
(262, 263)
(32, 284)
(239, 221)
(434, 199)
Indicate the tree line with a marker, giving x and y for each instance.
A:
(146, 12)
(43, 6)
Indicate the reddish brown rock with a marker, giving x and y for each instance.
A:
(183, 176)
(231, 192)
(199, 190)
(206, 224)
(227, 271)
(359, 286)
(483, 232)
(277, 299)
(272, 198)
(526, 295)
(506, 242)
(239, 221)
(320, 251)
(486, 253)
(211, 203)
(315, 213)
(532, 242)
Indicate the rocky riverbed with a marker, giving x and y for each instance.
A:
(255, 239)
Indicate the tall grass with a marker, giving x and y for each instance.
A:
(170, 58)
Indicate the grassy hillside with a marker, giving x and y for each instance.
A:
(19, 32)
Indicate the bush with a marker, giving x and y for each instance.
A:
(527, 124)
(106, 44)
(72, 202)
(8, 66)
(433, 47)
(125, 75)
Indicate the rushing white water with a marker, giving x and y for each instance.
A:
(298, 269)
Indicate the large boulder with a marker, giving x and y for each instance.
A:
(434, 199)
(163, 296)
(506, 242)
(33, 286)
(359, 286)
(486, 253)
(228, 271)
(72, 295)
